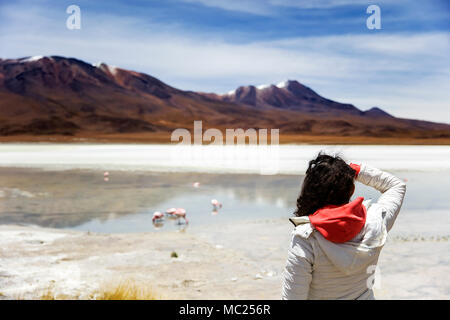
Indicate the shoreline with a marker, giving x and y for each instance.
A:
(164, 138)
(218, 262)
(75, 263)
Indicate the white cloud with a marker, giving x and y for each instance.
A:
(323, 4)
(261, 7)
(266, 7)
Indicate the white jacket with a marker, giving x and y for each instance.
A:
(320, 269)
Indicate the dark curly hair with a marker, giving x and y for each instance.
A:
(329, 180)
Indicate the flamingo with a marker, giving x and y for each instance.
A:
(157, 215)
(181, 213)
(171, 211)
(216, 204)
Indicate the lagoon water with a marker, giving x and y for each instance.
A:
(63, 185)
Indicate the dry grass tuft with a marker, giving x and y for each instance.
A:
(124, 290)
(127, 290)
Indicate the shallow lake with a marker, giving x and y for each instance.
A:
(63, 186)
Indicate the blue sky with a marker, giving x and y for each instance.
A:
(217, 45)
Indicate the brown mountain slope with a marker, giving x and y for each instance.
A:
(57, 96)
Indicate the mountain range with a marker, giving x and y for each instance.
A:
(67, 97)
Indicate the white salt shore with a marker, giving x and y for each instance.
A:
(222, 262)
(282, 159)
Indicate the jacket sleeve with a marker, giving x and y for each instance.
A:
(392, 190)
(297, 274)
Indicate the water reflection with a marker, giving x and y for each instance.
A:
(179, 224)
(82, 200)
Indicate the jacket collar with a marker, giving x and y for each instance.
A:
(336, 223)
(340, 223)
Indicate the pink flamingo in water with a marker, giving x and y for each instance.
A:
(171, 211)
(157, 215)
(181, 213)
(216, 204)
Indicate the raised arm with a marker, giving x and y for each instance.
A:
(297, 275)
(392, 189)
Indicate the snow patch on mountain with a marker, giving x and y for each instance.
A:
(103, 66)
(283, 84)
(33, 58)
(263, 86)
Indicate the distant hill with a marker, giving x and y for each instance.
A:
(290, 95)
(68, 97)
